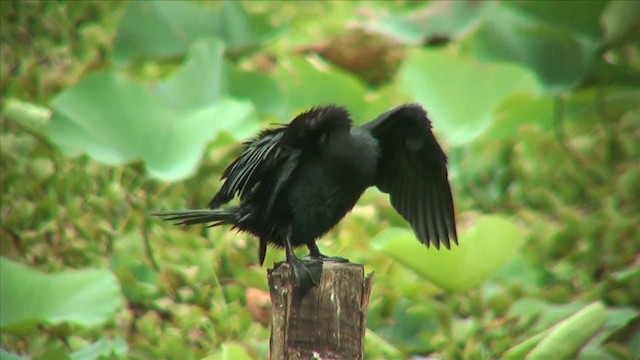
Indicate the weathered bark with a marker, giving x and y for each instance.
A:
(329, 323)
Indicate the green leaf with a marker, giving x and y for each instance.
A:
(567, 328)
(583, 20)
(162, 29)
(230, 350)
(522, 272)
(556, 54)
(105, 115)
(519, 351)
(199, 82)
(376, 344)
(459, 93)
(233, 350)
(308, 82)
(261, 89)
(585, 105)
(240, 30)
(5, 355)
(628, 274)
(444, 18)
(53, 350)
(620, 21)
(34, 118)
(181, 141)
(545, 313)
(117, 120)
(158, 29)
(103, 348)
(520, 110)
(484, 247)
(571, 334)
(28, 297)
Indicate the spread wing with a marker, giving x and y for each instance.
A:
(412, 168)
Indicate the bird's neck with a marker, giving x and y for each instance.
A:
(352, 156)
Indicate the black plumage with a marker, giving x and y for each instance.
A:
(297, 181)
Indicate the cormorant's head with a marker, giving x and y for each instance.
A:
(318, 122)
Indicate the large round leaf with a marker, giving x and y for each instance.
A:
(199, 82)
(115, 119)
(449, 19)
(28, 297)
(460, 93)
(308, 82)
(161, 29)
(521, 110)
(484, 247)
(555, 40)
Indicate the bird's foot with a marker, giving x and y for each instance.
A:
(306, 274)
(323, 257)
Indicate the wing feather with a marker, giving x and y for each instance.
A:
(412, 168)
(434, 205)
(259, 164)
(432, 214)
(422, 217)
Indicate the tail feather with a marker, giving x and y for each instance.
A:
(215, 217)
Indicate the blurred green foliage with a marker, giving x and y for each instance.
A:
(103, 102)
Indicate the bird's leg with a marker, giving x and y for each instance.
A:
(306, 274)
(315, 254)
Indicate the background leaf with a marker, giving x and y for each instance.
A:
(261, 89)
(117, 120)
(199, 82)
(556, 54)
(28, 297)
(308, 82)
(459, 92)
(103, 348)
(519, 110)
(162, 29)
(569, 335)
(440, 19)
(11, 356)
(484, 247)
(564, 15)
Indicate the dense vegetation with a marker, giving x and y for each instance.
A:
(113, 109)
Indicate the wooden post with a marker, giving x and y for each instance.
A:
(330, 321)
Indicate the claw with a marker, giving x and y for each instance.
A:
(315, 254)
(323, 257)
(306, 275)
